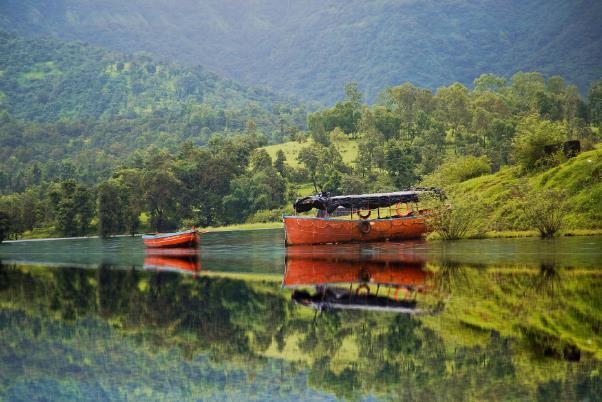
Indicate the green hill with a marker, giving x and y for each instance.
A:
(45, 80)
(579, 178)
(312, 48)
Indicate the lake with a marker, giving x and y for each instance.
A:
(245, 318)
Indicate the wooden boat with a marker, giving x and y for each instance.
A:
(186, 238)
(409, 223)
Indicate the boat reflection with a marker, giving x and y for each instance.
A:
(359, 277)
(182, 260)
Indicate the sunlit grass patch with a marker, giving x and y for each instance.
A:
(245, 226)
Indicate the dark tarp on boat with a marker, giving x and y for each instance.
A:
(323, 201)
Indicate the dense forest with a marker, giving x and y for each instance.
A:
(72, 111)
(312, 48)
(170, 168)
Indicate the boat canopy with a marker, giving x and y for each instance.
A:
(364, 201)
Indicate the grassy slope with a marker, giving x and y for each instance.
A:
(579, 177)
(348, 150)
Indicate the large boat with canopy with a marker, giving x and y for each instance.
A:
(336, 220)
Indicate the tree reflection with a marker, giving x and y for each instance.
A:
(351, 353)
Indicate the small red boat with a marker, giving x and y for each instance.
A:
(186, 238)
(398, 225)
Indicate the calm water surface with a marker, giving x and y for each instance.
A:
(247, 319)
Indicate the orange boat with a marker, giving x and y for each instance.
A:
(403, 225)
(186, 238)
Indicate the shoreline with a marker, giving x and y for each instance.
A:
(280, 225)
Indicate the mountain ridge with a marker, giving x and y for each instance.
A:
(313, 48)
(46, 80)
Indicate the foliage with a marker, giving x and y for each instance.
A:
(530, 141)
(74, 81)
(455, 217)
(325, 166)
(594, 98)
(578, 180)
(544, 209)
(313, 50)
(458, 170)
(4, 225)
(72, 207)
(216, 178)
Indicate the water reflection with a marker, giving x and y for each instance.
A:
(524, 329)
(181, 260)
(354, 277)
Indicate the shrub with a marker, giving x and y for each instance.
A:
(544, 210)
(456, 217)
(532, 136)
(459, 170)
(265, 215)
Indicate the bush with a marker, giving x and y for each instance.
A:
(458, 170)
(532, 136)
(456, 217)
(271, 215)
(544, 209)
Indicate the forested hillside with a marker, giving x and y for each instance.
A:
(70, 110)
(312, 48)
(78, 183)
(46, 80)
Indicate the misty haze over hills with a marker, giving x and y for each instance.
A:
(312, 48)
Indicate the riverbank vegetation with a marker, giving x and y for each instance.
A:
(106, 168)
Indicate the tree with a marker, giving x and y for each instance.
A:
(525, 89)
(72, 206)
(325, 166)
(162, 191)
(531, 138)
(309, 157)
(498, 146)
(279, 163)
(555, 85)
(4, 225)
(260, 160)
(594, 100)
(489, 83)
(407, 101)
(453, 106)
(110, 208)
(400, 165)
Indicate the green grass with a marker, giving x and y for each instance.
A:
(348, 150)
(245, 226)
(579, 177)
(39, 233)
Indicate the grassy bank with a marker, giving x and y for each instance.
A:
(245, 226)
(497, 205)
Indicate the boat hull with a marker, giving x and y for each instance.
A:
(308, 230)
(188, 238)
